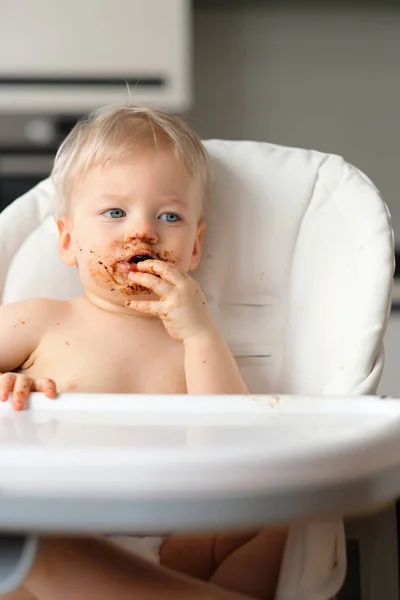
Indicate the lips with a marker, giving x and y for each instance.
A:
(130, 263)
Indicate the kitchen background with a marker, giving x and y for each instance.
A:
(322, 75)
(318, 75)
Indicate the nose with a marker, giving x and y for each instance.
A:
(142, 236)
(142, 230)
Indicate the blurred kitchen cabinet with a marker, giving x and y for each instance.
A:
(75, 55)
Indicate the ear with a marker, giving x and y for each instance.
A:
(66, 250)
(198, 244)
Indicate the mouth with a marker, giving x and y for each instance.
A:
(130, 263)
(137, 258)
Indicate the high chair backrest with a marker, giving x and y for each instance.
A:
(297, 265)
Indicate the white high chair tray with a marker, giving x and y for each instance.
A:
(154, 464)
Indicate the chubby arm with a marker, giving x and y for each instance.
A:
(21, 327)
(210, 367)
(19, 333)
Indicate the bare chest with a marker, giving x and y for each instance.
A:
(110, 360)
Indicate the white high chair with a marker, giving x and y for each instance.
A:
(297, 267)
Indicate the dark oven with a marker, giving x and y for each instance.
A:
(21, 170)
(27, 148)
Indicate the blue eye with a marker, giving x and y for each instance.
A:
(170, 217)
(115, 213)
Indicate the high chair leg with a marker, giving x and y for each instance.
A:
(17, 554)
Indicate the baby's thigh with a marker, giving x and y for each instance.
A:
(20, 594)
(200, 554)
(190, 554)
(253, 567)
(227, 542)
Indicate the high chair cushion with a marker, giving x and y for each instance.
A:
(297, 265)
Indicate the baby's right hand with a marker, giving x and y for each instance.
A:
(21, 386)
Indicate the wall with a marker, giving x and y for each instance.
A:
(324, 78)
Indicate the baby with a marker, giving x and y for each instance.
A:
(132, 186)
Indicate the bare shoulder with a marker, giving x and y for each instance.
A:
(38, 311)
(22, 325)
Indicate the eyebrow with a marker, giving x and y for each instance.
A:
(112, 197)
(125, 198)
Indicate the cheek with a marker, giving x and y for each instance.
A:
(99, 266)
(182, 253)
(91, 256)
(91, 262)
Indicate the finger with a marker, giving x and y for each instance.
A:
(22, 388)
(147, 306)
(167, 271)
(46, 386)
(157, 285)
(7, 381)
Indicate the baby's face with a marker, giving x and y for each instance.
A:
(147, 205)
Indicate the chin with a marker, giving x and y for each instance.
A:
(123, 293)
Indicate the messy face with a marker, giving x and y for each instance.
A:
(123, 212)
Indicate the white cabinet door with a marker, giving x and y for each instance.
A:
(74, 55)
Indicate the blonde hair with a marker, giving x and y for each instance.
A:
(115, 132)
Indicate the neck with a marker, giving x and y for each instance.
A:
(115, 308)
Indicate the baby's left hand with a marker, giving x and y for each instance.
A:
(182, 306)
